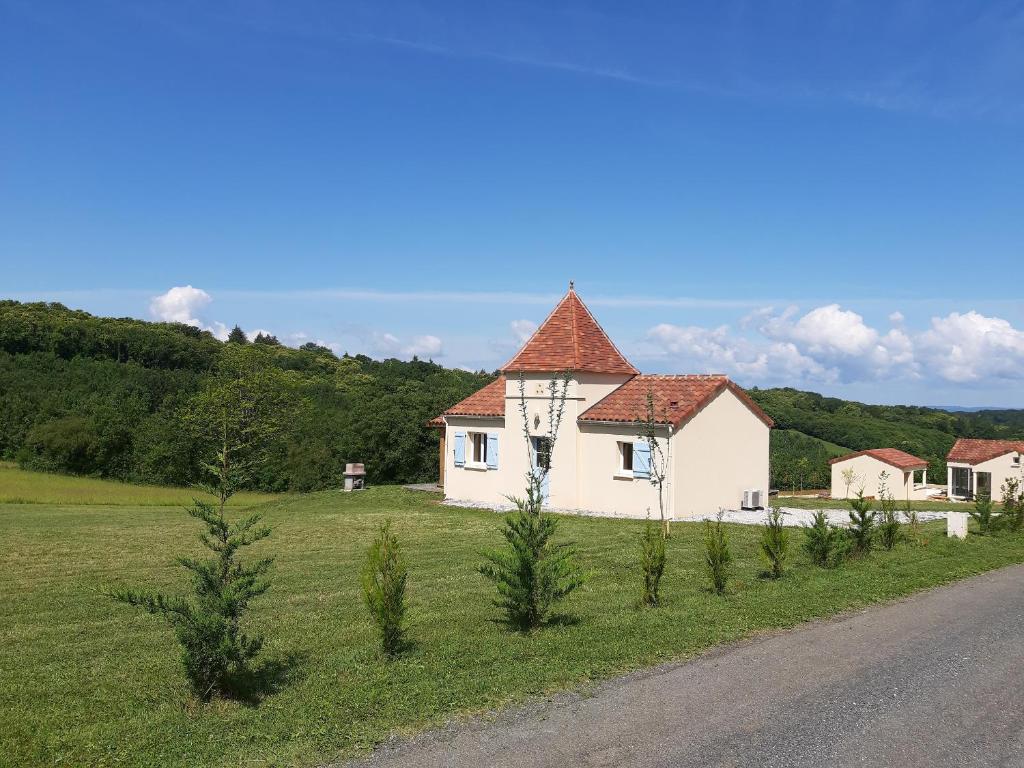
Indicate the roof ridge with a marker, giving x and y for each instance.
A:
(575, 336)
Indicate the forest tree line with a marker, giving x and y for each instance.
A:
(109, 397)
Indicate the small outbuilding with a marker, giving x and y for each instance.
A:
(977, 466)
(862, 471)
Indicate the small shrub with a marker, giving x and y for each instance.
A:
(822, 541)
(889, 528)
(384, 581)
(717, 556)
(652, 562)
(1013, 504)
(775, 543)
(215, 650)
(532, 573)
(913, 526)
(982, 514)
(862, 525)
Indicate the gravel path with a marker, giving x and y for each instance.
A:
(934, 680)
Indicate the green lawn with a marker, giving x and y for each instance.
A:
(90, 682)
(19, 486)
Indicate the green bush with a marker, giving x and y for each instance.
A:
(1013, 504)
(862, 525)
(384, 580)
(982, 514)
(823, 542)
(652, 562)
(717, 557)
(889, 529)
(533, 572)
(215, 650)
(775, 543)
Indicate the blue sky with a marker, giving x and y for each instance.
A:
(822, 194)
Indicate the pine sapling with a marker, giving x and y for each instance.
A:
(982, 514)
(889, 528)
(862, 525)
(717, 557)
(775, 542)
(652, 562)
(533, 572)
(384, 581)
(215, 650)
(1013, 504)
(913, 525)
(822, 540)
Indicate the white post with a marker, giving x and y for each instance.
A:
(956, 525)
(949, 481)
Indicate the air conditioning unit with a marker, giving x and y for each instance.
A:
(753, 498)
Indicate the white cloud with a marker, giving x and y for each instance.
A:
(183, 304)
(180, 305)
(896, 318)
(424, 346)
(840, 340)
(717, 350)
(523, 330)
(971, 347)
(421, 346)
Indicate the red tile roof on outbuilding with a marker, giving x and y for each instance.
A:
(489, 401)
(676, 399)
(570, 339)
(892, 456)
(971, 450)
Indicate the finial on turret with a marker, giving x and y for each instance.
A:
(570, 285)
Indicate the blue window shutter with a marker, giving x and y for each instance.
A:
(492, 450)
(460, 449)
(641, 459)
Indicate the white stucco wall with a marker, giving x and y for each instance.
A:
(486, 486)
(717, 454)
(867, 468)
(603, 488)
(1001, 468)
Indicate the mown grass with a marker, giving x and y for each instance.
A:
(90, 682)
(19, 486)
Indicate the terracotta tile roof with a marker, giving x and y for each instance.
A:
(676, 399)
(570, 339)
(893, 456)
(969, 450)
(489, 401)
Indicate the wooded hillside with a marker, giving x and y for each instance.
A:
(105, 396)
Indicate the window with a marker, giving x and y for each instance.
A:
(1016, 460)
(479, 447)
(626, 458)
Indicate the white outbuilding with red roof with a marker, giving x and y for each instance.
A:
(714, 437)
(981, 467)
(905, 475)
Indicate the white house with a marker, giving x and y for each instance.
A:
(976, 466)
(714, 437)
(864, 470)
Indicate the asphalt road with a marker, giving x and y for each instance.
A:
(934, 680)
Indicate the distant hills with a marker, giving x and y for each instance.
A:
(102, 396)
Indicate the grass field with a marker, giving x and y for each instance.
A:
(19, 486)
(90, 682)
